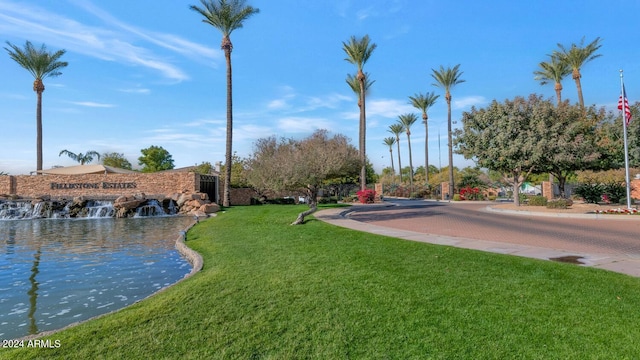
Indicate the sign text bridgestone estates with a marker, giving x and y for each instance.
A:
(98, 185)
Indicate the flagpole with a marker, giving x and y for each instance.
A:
(626, 147)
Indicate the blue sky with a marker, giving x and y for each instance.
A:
(145, 73)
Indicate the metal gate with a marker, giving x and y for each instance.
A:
(209, 186)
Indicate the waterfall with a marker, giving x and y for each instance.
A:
(172, 207)
(152, 208)
(15, 210)
(100, 209)
(65, 209)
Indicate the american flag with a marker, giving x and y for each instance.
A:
(624, 103)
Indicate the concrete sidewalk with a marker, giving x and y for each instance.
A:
(626, 264)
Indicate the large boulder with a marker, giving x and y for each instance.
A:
(209, 208)
(128, 202)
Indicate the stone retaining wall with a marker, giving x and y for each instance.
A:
(99, 185)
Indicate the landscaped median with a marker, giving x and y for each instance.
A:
(272, 290)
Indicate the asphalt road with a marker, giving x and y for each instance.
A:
(473, 221)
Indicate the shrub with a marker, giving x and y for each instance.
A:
(559, 204)
(614, 191)
(590, 192)
(281, 201)
(457, 197)
(328, 200)
(366, 196)
(524, 198)
(469, 193)
(537, 200)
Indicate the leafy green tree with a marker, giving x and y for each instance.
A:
(40, 64)
(473, 177)
(396, 129)
(358, 52)
(117, 160)
(204, 168)
(290, 164)
(505, 137)
(439, 177)
(569, 140)
(407, 120)
(226, 16)
(553, 71)
(576, 56)
(447, 79)
(423, 102)
(80, 157)
(611, 139)
(155, 158)
(390, 141)
(238, 172)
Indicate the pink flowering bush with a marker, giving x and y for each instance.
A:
(366, 196)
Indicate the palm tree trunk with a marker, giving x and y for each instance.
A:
(227, 170)
(450, 137)
(363, 137)
(393, 169)
(558, 89)
(399, 163)
(39, 131)
(576, 77)
(426, 154)
(410, 167)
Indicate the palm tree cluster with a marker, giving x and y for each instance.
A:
(565, 61)
(562, 62)
(445, 79)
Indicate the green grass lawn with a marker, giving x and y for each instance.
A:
(271, 290)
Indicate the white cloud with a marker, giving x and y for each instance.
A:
(92, 104)
(277, 104)
(136, 91)
(388, 108)
(303, 124)
(112, 43)
(469, 101)
(205, 122)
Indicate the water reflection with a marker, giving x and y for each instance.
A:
(33, 293)
(56, 272)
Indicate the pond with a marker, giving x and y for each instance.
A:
(57, 272)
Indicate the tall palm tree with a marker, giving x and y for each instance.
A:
(397, 129)
(576, 56)
(390, 141)
(226, 16)
(446, 79)
(358, 52)
(554, 70)
(80, 157)
(423, 102)
(41, 64)
(407, 120)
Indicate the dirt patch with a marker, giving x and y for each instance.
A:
(570, 259)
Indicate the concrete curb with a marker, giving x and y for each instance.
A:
(564, 215)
